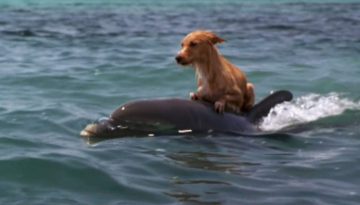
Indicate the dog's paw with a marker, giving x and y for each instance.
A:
(219, 107)
(194, 96)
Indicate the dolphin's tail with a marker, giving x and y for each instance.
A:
(262, 108)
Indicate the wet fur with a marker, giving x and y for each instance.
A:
(219, 81)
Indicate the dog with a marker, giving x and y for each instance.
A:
(219, 81)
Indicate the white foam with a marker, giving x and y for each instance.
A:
(306, 109)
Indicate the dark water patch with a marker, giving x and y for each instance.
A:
(57, 176)
(12, 142)
(201, 160)
(266, 162)
(280, 27)
(23, 33)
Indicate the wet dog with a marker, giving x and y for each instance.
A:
(219, 81)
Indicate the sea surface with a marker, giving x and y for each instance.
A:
(64, 64)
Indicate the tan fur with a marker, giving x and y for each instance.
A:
(219, 81)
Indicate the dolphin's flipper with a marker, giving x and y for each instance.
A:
(262, 108)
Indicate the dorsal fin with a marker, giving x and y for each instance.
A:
(262, 108)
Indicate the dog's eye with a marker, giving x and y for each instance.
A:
(193, 44)
(182, 45)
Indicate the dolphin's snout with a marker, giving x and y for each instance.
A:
(89, 130)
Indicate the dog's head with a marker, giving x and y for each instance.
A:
(196, 45)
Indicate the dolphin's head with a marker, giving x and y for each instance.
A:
(89, 131)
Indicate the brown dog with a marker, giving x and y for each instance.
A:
(219, 81)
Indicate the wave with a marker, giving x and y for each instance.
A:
(306, 109)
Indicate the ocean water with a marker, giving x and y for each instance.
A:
(65, 64)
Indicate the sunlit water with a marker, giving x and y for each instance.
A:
(64, 65)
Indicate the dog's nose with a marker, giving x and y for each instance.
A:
(178, 58)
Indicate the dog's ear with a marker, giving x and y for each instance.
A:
(213, 38)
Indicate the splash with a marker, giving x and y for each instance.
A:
(306, 109)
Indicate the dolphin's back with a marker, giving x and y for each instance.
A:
(178, 116)
(181, 114)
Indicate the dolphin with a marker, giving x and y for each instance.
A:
(179, 116)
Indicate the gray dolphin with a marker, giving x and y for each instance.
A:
(174, 116)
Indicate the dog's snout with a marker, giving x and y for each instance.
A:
(179, 58)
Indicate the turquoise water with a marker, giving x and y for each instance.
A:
(64, 65)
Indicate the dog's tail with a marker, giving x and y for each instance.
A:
(262, 108)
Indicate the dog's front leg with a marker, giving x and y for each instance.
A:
(199, 94)
(220, 106)
(194, 96)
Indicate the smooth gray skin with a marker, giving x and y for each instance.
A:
(172, 116)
